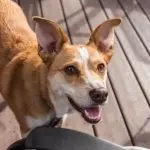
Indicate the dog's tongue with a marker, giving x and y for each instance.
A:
(92, 115)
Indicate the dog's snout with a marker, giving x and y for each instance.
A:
(99, 95)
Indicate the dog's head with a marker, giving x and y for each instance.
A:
(77, 73)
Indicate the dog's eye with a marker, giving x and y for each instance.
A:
(101, 67)
(71, 70)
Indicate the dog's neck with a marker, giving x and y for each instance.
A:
(44, 85)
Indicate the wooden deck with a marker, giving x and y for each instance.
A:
(126, 118)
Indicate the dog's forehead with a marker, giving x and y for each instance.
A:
(83, 52)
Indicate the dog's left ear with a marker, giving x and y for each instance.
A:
(103, 36)
(50, 37)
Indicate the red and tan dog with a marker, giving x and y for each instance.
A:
(47, 80)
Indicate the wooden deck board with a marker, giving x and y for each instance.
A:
(144, 4)
(9, 129)
(78, 27)
(133, 48)
(49, 11)
(112, 126)
(127, 88)
(51, 14)
(135, 14)
(31, 8)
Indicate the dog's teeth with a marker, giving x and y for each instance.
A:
(86, 113)
(93, 117)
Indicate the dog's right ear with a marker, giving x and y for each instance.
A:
(102, 38)
(50, 37)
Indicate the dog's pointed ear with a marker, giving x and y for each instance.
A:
(50, 36)
(103, 36)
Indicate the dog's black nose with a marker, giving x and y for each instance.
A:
(99, 95)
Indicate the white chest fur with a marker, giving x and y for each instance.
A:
(36, 122)
(33, 123)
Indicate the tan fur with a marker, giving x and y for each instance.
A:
(24, 70)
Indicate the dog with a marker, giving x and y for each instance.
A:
(44, 77)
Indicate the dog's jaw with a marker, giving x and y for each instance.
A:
(57, 95)
(59, 90)
(60, 96)
(61, 104)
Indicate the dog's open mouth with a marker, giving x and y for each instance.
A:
(91, 114)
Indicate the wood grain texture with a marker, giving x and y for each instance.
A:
(31, 8)
(78, 26)
(133, 48)
(135, 14)
(9, 128)
(129, 93)
(112, 127)
(144, 4)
